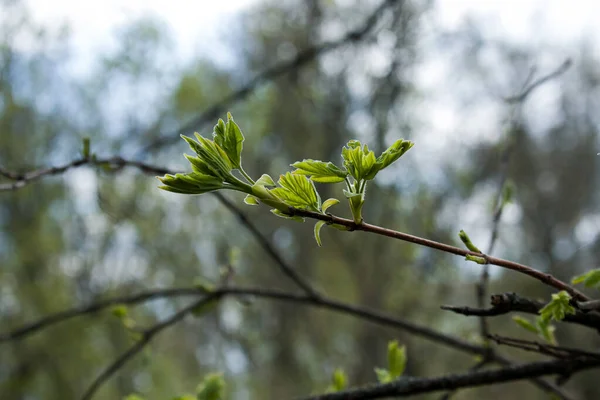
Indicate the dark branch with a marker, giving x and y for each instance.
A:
(341, 307)
(302, 58)
(510, 302)
(410, 386)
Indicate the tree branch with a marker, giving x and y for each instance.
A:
(408, 386)
(118, 162)
(543, 348)
(363, 226)
(506, 303)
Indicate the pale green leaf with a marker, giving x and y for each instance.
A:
(524, 323)
(589, 279)
(287, 216)
(396, 359)
(359, 161)
(467, 241)
(265, 180)
(394, 152)
(339, 381)
(192, 183)
(318, 227)
(211, 388)
(328, 203)
(298, 191)
(250, 200)
(383, 375)
(558, 307)
(320, 171)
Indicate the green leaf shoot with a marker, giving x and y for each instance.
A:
(558, 307)
(590, 279)
(467, 241)
(320, 171)
(317, 231)
(212, 387)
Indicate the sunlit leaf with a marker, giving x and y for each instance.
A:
(524, 323)
(192, 183)
(320, 171)
(287, 216)
(383, 375)
(339, 381)
(251, 200)
(467, 241)
(328, 203)
(589, 279)
(359, 161)
(396, 359)
(318, 227)
(265, 180)
(211, 388)
(298, 191)
(558, 307)
(394, 152)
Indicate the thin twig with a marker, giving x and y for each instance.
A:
(407, 386)
(320, 302)
(506, 303)
(331, 219)
(531, 87)
(363, 226)
(544, 348)
(302, 58)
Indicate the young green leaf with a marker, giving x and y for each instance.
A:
(475, 259)
(298, 191)
(328, 203)
(318, 227)
(467, 241)
(545, 330)
(250, 200)
(234, 140)
(558, 307)
(339, 381)
(524, 323)
(120, 311)
(212, 387)
(212, 155)
(192, 183)
(287, 216)
(320, 171)
(230, 138)
(133, 396)
(265, 180)
(393, 153)
(396, 359)
(359, 161)
(383, 375)
(589, 279)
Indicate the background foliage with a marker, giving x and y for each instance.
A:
(92, 233)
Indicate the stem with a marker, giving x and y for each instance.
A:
(245, 175)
